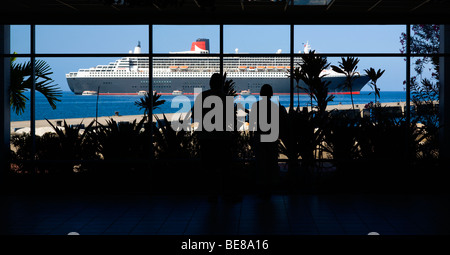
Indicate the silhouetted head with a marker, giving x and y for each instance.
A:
(216, 81)
(266, 91)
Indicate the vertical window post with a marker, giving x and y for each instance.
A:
(444, 94)
(5, 80)
(150, 84)
(408, 87)
(408, 73)
(221, 48)
(33, 90)
(291, 71)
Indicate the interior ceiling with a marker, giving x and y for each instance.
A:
(224, 11)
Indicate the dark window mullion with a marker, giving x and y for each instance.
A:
(291, 71)
(221, 48)
(150, 82)
(408, 73)
(33, 90)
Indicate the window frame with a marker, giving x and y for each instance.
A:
(221, 55)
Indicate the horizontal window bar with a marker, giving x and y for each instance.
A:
(74, 55)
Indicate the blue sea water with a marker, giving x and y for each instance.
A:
(77, 106)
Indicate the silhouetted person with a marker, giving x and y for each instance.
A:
(215, 145)
(216, 89)
(266, 152)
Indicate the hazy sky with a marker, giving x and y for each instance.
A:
(247, 39)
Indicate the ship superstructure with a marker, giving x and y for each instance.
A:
(180, 74)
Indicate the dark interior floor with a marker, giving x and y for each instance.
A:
(141, 214)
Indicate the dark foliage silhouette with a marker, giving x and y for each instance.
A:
(374, 76)
(348, 67)
(146, 103)
(21, 81)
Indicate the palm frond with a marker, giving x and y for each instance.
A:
(21, 81)
(228, 88)
(337, 69)
(146, 103)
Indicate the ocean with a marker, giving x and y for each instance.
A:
(78, 106)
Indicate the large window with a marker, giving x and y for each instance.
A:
(267, 52)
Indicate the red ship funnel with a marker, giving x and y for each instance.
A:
(200, 44)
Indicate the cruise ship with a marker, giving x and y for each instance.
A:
(178, 74)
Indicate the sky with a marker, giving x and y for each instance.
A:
(245, 38)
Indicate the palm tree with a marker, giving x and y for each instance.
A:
(228, 86)
(311, 74)
(374, 76)
(297, 77)
(348, 67)
(21, 81)
(146, 103)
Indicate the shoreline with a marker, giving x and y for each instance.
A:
(43, 125)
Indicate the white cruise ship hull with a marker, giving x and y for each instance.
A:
(166, 85)
(181, 75)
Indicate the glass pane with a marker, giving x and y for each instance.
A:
(390, 84)
(250, 73)
(91, 39)
(424, 94)
(256, 39)
(20, 142)
(20, 73)
(185, 38)
(424, 84)
(119, 82)
(425, 68)
(181, 75)
(349, 38)
(20, 39)
(424, 38)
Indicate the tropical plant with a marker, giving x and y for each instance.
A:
(21, 81)
(343, 137)
(424, 40)
(21, 151)
(387, 138)
(341, 140)
(321, 95)
(311, 73)
(145, 103)
(71, 138)
(67, 145)
(348, 67)
(122, 140)
(425, 98)
(425, 93)
(228, 86)
(374, 76)
(172, 144)
(304, 132)
(296, 74)
(47, 147)
(73, 144)
(301, 138)
(290, 140)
